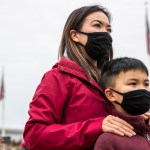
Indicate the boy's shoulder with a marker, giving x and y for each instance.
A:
(112, 141)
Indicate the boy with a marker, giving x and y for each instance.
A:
(126, 86)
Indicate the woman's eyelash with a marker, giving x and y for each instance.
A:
(97, 25)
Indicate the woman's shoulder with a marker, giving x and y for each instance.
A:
(66, 67)
(67, 64)
(63, 69)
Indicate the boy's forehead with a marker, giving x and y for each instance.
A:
(125, 77)
(132, 74)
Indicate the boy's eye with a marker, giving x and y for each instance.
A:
(147, 84)
(109, 30)
(132, 83)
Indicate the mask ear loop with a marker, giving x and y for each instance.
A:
(81, 44)
(117, 103)
(118, 93)
(82, 32)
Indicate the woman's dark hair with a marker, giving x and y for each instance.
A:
(72, 48)
(113, 68)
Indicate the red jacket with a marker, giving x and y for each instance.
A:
(141, 141)
(66, 112)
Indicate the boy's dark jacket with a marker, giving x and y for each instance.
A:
(141, 141)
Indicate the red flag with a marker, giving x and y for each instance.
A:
(2, 87)
(147, 33)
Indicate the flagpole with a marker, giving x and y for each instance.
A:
(3, 117)
(147, 31)
(3, 103)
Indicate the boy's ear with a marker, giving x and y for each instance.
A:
(74, 35)
(110, 95)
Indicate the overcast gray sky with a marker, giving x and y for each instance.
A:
(30, 32)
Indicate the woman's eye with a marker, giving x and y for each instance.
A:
(97, 25)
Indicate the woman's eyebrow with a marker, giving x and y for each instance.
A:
(97, 21)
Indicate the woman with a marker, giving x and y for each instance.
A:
(68, 110)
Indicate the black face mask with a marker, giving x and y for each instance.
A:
(99, 44)
(135, 102)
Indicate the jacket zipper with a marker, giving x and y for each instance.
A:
(148, 137)
(146, 132)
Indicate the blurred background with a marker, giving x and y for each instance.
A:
(30, 33)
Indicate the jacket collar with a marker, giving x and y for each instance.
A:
(71, 67)
(137, 122)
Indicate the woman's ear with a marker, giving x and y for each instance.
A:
(74, 35)
(110, 95)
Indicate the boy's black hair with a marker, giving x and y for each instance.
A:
(111, 69)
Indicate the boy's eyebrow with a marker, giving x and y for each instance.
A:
(147, 80)
(137, 79)
(132, 79)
